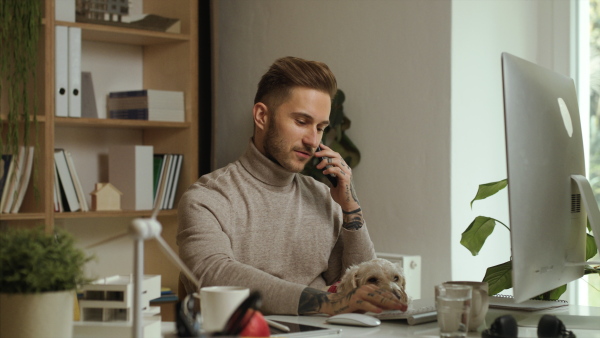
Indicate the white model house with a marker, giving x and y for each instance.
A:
(106, 309)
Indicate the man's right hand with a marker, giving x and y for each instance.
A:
(366, 298)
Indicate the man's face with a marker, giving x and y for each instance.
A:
(295, 128)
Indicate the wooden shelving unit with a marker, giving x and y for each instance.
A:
(169, 62)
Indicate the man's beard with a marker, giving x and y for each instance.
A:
(276, 148)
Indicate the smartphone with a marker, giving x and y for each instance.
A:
(330, 177)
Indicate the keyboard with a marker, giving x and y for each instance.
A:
(419, 311)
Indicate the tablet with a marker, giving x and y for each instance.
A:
(303, 330)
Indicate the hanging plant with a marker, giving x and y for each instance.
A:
(20, 23)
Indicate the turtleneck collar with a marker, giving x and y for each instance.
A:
(263, 169)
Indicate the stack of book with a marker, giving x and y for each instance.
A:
(167, 168)
(15, 173)
(147, 104)
(68, 192)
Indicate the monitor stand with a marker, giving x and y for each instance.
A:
(593, 214)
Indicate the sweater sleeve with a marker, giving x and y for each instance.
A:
(353, 247)
(206, 249)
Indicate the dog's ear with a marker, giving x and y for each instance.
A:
(352, 273)
(348, 281)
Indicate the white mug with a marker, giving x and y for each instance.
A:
(217, 304)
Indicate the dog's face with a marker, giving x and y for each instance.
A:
(380, 272)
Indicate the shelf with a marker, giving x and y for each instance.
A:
(40, 119)
(117, 123)
(23, 216)
(112, 214)
(129, 36)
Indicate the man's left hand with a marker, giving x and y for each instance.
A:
(333, 163)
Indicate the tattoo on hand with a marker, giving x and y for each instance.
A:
(353, 220)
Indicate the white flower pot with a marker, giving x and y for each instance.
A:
(47, 314)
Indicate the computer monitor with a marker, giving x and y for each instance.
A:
(546, 174)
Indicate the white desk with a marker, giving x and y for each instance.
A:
(401, 329)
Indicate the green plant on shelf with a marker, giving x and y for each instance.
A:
(499, 277)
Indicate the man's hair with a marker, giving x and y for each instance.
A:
(289, 72)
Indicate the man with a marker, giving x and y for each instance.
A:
(258, 223)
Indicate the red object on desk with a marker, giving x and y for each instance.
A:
(257, 327)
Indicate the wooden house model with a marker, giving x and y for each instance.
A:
(106, 197)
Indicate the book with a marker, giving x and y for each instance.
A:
(148, 114)
(507, 302)
(6, 167)
(24, 181)
(57, 197)
(68, 193)
(129, 114)
(167, 179)
(78, 188)
(130, 170)
(88, 96)
(159, 159)
(175, 181)
(161, 178)
(14, 180)
(147, 104)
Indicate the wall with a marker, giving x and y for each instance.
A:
(392, 59)
(481, 30)
(423, 87)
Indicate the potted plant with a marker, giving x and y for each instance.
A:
(39, 273)
(499, 276)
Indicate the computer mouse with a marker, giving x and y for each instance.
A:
(354, 319)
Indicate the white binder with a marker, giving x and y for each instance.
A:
(74, 72)
(61, 69)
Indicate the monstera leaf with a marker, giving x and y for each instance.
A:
(335, 137)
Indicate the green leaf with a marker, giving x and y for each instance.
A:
(478, 231)
(498, 277)
(553, 294)
(489, 189)
(590, 247)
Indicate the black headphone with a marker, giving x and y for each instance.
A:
(549, 326)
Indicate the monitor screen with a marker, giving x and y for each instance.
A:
(543, 149)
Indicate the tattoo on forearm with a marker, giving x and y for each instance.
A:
(353, 220)
(311, 301)
(353, 192)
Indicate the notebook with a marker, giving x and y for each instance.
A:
(419, 311)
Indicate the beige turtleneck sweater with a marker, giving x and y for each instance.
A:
(252, 223)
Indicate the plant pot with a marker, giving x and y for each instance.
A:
(47, 314)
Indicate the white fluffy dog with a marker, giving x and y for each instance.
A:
(381, 272)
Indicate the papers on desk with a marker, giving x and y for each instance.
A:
(508, 303)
